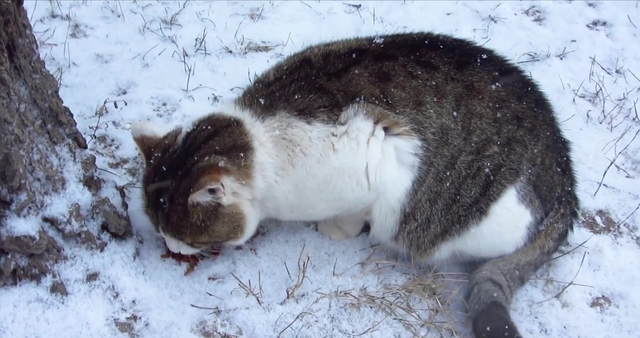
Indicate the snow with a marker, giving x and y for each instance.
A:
(149, 59)
(21, 226)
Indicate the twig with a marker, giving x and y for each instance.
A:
(357, 8)
(369, 330)
(224, 47)
(374, 16)
(570, 283)
(121, 11)
(614, 159)
(593, 58)
(189, 77)
(254, 17)
(204, 307)
(200, 43)
(147, 52)
(302, 274)
(300, 315)
(631, 214)
(248, 288)
(577, 91)
(108, 171)
(304, 3)
(634, 75)
(568, 252)
(235, 35)
(551, 280)
(66, 40)
(567, 119)
(634, 26)
(287, 268)
(36, 6)
(288, 39)
(101, 111)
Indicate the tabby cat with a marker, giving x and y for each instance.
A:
(446, 149)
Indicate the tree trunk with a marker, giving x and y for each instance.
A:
(42, 155)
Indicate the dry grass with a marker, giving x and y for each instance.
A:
(613, 109)
(251, 290)
(616, 109)
(45, 38)
(422, 303)
(303, 264)
(242, 46)
(543, 55)
(535, 14)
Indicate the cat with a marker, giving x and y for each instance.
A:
(447, 150)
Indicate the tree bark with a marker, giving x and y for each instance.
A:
(39, 145)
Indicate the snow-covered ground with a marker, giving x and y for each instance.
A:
(125, 61)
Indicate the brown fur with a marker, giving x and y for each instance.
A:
(174, 170)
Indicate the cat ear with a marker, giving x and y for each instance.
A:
(147, 135)
(212, 192)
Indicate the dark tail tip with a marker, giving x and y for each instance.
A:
(494, 321)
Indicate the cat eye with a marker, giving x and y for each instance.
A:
(216, 191)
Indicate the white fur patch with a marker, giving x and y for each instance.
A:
(394, 175)
(147, 129)
(312, 172)
(503, 230)
(177, 246)
(315, 172)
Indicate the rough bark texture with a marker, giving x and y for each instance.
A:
(38, 135)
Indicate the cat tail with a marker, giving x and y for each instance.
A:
(494, 283)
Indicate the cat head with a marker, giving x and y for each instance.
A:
(196, 184)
